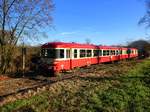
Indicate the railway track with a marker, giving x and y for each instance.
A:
(25, 84)
(22, 86)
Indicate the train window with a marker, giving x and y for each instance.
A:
(95, 52)
(107, 52)
(117, 52)
(100, 52)
(104, 52)
(120, 51)
(75, 53)
(114, 53)
(67, 53)
(89, 53)
(124, 52)
(82, 53)
(111, 52)
(129, 51)
(60, 53)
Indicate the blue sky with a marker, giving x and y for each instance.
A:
(106, 22)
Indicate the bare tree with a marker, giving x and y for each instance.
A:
(87, 41)
(146, 18)
(21, 19)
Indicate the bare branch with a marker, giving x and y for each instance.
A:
(22, 19)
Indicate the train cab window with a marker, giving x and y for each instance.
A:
(48, 53)
(44, 52)
(75, 53)
(68, 53)
(95, 53)
(82, 53)
(51, 53)
(100, 52)
(89, 53)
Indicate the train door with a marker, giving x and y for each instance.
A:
(99, 56)
(68, 56)
(71, 63)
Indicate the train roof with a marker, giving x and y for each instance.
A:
(77, 45)
(67, 45)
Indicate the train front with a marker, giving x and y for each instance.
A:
(49, 56)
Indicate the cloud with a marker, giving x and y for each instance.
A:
(67, 33)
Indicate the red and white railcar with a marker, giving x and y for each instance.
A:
(59, 56)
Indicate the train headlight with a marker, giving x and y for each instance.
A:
(50, 67)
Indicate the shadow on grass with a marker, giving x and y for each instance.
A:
(119, 78)
(24, 109)
(30, 74)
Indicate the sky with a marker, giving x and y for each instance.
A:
(105, 22)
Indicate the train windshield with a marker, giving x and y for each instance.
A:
(52, 53)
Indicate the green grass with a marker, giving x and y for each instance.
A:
(129, 92)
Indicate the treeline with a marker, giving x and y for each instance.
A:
(143, 47)
(15, 59)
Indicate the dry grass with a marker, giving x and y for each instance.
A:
(128, 91)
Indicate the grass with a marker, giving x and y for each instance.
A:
(121, 93)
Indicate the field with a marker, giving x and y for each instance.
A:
(116, 87)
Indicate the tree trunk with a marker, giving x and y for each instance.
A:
(3, 64)
(5, 58)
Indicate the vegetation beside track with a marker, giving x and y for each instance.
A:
(126, 88)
